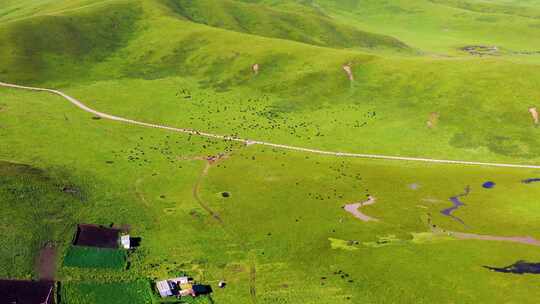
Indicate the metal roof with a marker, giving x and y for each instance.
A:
(164, 288)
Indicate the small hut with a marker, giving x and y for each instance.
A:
(125, 241)
(180, 286)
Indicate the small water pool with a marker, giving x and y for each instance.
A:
(488, 185)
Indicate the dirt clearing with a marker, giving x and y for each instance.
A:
(433, 120)
(348, 69)
(46, 263)
(534, 114)
(353, 209)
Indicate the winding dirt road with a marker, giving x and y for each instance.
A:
(249, 142)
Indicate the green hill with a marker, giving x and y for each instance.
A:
(297, 25)
(443, 26)
(101, 50)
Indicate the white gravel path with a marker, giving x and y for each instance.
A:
(249, 142)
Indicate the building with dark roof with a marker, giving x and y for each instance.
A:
(26, 292)
(97, 236)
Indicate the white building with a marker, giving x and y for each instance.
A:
(171, 287)
(124, 240)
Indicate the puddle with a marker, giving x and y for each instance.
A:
(488, 185)
(530, 180)
(520, 267)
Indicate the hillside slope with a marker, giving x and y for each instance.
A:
(66, 45)
(121, 44)
(303, 26)
(444, 26)
(117, 48)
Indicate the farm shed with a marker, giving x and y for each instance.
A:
(125, 241)
(173, 287)
(96, 236)
(165, 289)
(26, 292)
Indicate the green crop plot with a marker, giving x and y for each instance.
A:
(90, 257)
(137, 292)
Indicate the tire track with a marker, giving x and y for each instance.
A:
(219, 220)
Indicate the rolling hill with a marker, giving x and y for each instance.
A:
(441, 79)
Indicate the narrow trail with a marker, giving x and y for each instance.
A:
(46, 262)
(527, 240)
(138, 191)
(249, 142)
(217, 218)
(202, 203)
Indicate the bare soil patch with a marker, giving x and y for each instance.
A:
(46, 263)
(482, 237)
(353, 209)
(348, 70)
(213, 159)
(414, 186)
(514, 239)
(433, 120)
(534, 114)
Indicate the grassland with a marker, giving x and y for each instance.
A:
(282, 235)
(35, 212)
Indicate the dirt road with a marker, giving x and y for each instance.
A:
(249, 142)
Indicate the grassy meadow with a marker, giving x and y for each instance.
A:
(281, 234)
